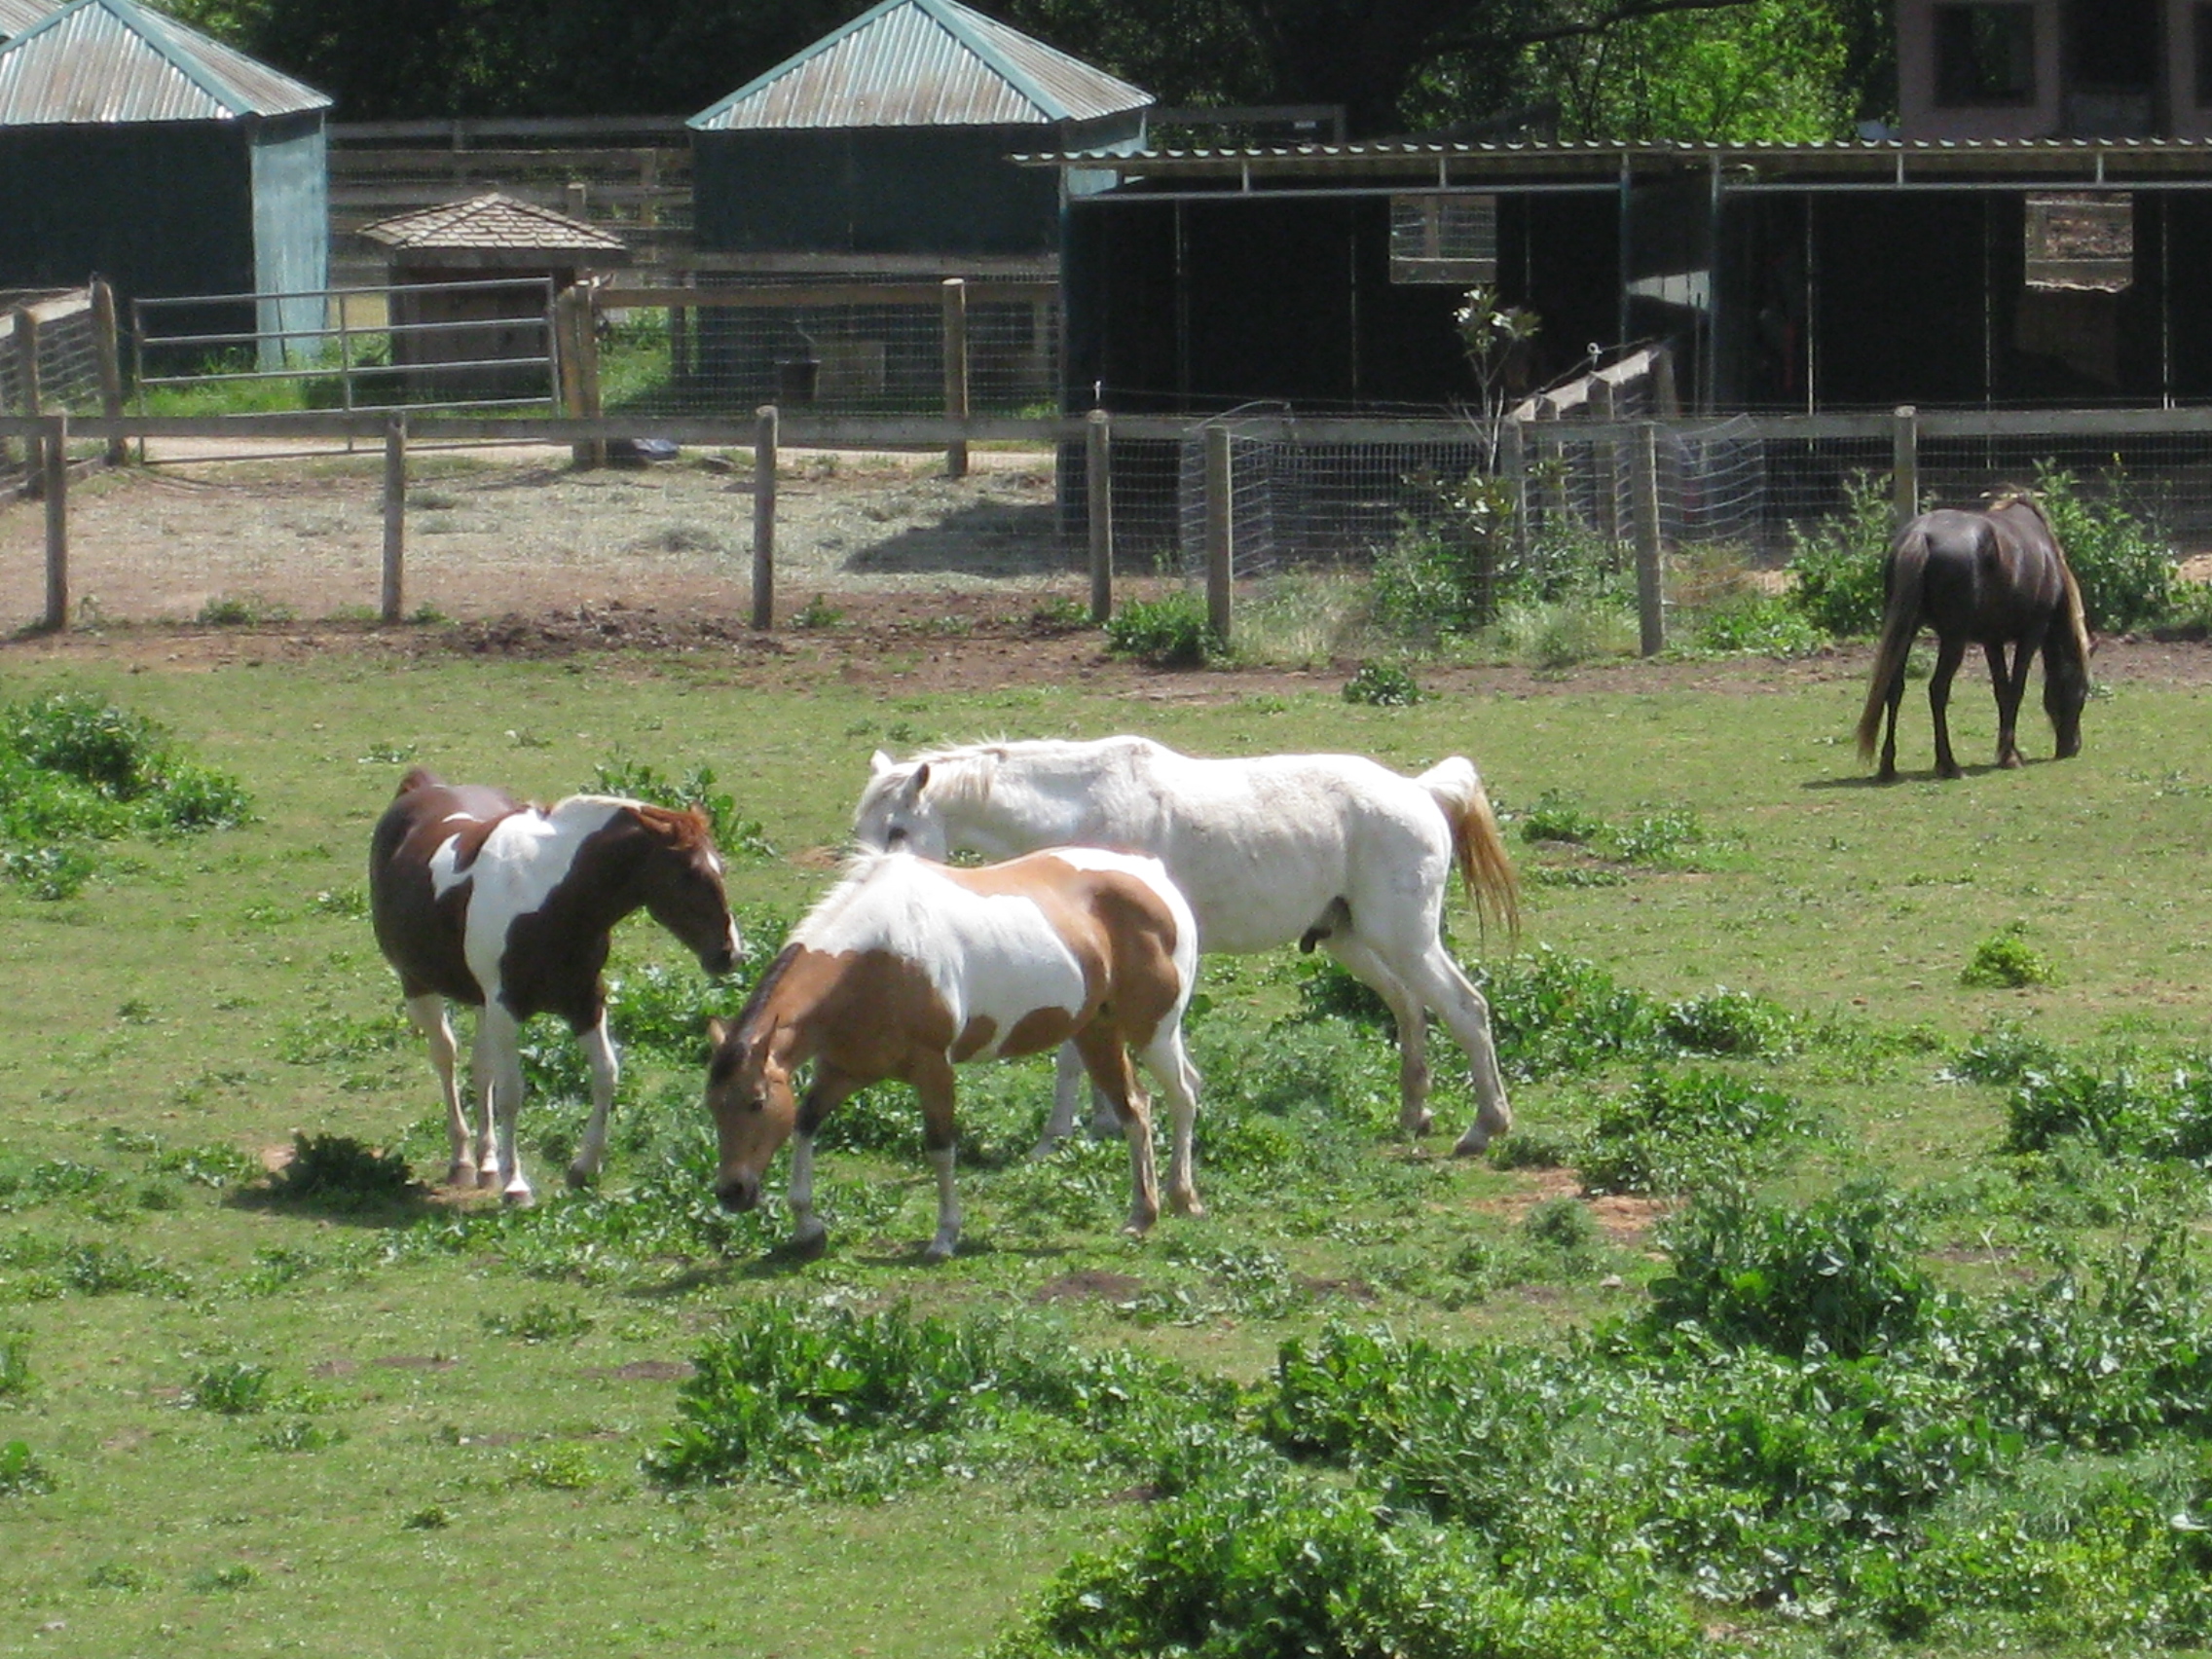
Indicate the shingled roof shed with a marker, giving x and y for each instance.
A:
(472, 286)
(139, 149)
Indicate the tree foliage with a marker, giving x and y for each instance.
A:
(1740, 69)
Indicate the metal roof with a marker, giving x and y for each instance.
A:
(492, 221)
(16, 15)
(922, 64)
(2068, 162)
(105, 63)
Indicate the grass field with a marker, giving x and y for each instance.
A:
(253, 1418)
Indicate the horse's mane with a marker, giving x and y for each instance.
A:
(2077, 618)
(684, 827)
(853, 869)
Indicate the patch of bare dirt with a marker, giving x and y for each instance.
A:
(1089, 1284)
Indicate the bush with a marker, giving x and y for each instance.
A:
(2006, 961)
(1382, 685)
(339, 1169)
(638, 780)
(2123, 562)
(1836, 567)
(1670, 1133)
(1835, 1276)
(1170, 632)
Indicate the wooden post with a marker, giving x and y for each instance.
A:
(568, 363)
(1220, 532)
(27, 378)
(1513, 461)
(956, 371)
(394, 600)
(587, 363)
(57, 447)
(1904, 464)
(1099, 513)
(1605, 468)
(1651, 593)
(765, 520)
(109, 351)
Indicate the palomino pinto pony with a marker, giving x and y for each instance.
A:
(908, 968)
(482, 899)
(1992, 577)
(1320, 849)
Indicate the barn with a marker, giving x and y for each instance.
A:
(884, 147)
(135, 148)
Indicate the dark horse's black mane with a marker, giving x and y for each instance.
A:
(1995, 577)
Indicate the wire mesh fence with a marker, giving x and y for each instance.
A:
(1342, 495)
(65, 366)
(845, 347)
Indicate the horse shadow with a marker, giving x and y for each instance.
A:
(988, 538)
(1923, 775)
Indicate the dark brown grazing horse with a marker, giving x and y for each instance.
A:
(480, 899)
(1993, 577)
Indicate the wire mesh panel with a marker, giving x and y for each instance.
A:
(837, 348)
(68, 367)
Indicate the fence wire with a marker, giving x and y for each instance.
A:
(68, 371)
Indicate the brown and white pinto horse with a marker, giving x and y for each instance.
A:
(908, 969)
(1993, 577)
(480, 899)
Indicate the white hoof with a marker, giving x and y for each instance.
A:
(518, 1198)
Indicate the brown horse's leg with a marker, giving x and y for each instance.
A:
(1107, 1060)
(931, 1077)
(1888, 773)
(1948, 655)
(2015, 693)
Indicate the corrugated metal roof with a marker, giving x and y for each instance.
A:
(108, 61)
(16, 15)
(923, 63)
(492, 221)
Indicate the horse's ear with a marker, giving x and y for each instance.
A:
(879, 764)
(716, 1032)
(918, 781)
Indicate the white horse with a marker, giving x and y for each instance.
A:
(1322, 849)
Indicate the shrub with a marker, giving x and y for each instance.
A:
(233, 1388)
(1754, 624)
(22, 1474)
(2006, 961)
(1382, 685)
(1835, 1277)
(1670, 1133)
(1835, 565)
(15, 1365)
(339, 1169)
(1169, 631)
(2123, 562)
(639, 780)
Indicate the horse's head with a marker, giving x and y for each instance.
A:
(895, 815)
(683, 885)
(748, 1093)
(2065, 688)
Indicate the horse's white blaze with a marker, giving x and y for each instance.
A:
(525, 858)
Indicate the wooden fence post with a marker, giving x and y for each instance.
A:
(1513, 461)
(109, 351)
(1098, 494)
(1650, 591)
(956, 371)
(1905, 463)
(57, 447)
(765, 520)
(394, 600)
(587, 363)
(1221, 530)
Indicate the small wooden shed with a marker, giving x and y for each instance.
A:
(139, 149)
(472, 284)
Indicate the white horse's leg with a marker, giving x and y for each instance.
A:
(809, 1235)
(947, 1238)
(591, 1151)
(1437, 979)
(1169, 1064)
(1068, 1082)
(428, 1012)
(498, 1061)
(1365, 964)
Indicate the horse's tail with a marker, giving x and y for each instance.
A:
(1477, 845)
(1900, 620)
